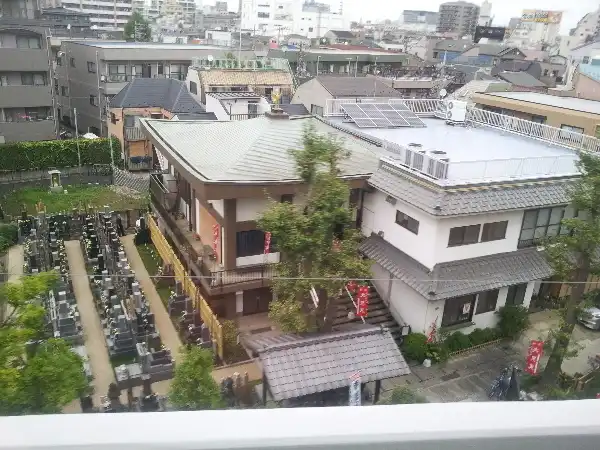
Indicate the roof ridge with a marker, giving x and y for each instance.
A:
(321, 339)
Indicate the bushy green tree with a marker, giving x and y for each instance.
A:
(137, 29)
(193, 386)
(318, 246)
(574, 257)
(35, 376)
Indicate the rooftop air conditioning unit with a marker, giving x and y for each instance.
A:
(457, 111)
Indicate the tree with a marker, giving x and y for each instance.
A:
(35, 376)
(193, 386)
(318, 247)
(137, 29)
(574, 257)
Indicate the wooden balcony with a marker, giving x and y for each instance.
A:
(197, 257)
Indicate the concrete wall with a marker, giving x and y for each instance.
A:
(586, 87)
(42, 130)
(311, 93)
(250, 208)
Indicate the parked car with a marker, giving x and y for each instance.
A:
(590, 318)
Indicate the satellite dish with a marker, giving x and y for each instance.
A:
(443, 93)
(210, 58)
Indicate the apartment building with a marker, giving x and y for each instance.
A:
(157, 98)
(458, 17)
(90, 73)
(108, 16)
(26, 106)
(453, 231)
(570, 114)
(221, 184)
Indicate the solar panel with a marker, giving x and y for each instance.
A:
(381, 115)
(352, 109)
(411, 118)
(364, 123)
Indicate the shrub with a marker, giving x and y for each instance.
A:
(402, 395)
(482, 335)
(513, 321)
(437, 352)
(42, 155)
(457, 341)
(415, 347)
(8, 236)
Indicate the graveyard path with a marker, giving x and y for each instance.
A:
(95, 343)
(168, 333)
(14, 262)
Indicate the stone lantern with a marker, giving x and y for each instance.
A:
(55, 183)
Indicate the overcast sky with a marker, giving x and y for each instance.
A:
(503, 10)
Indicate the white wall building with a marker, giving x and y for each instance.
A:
(586, 28)
(109, 16)
(528, 34)
(451, 228)
(283, 17)
(485, 14)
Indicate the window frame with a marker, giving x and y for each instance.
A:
(24, 75)
(91, 67)
(93, 100)
(487, 301)
(465, 229)
(488, 225)
(250, 243)
(536, 237)
(514, 293)
(456, 304)
(407, 222)
(72, 62)
(64, 91)
(193, 88)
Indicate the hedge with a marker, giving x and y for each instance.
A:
(43, 155)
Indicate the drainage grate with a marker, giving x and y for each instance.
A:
(260, 330)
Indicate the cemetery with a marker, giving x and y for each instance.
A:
(132, 338)
(44, 250)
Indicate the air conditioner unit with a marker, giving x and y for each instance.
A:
(457, 111)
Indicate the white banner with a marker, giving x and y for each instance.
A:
(354, 395)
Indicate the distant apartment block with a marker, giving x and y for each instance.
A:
(458, 17)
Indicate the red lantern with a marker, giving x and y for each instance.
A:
(536, 350)
(267, 242)
(216, 233)
(362, 301)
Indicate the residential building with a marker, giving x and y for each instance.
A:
(109, 16)
(26, 100)
(587, 28)
(566, 113)
(412, 87)
(221, 184)
(522, 81)
(458, 17)
(149, 9)
(157, 98)
(411, 16)
(90, 73)
(533, 31)
(340, 37)
(489, 54)
(68, 23)
(485, 14)
(206, 21)
(271, 79)
(453, 231)
(236, 105)
(316, 93)
(586, 80)
(550, 71)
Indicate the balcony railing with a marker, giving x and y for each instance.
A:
(220, 278)
(244, 116)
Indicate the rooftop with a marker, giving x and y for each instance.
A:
(241, 77)
(317, 364)
(145, 45)
(340, 86)
(251, 151)
(522, 79)
(572, 103)
(167, 93)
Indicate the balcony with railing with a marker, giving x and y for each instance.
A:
(197, 256)
(244, 116)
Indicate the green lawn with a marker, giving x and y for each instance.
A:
(148, 254)
(76, 197)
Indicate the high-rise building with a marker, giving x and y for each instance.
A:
(458, 17)
(485, 14)
(104, 15)
(419, 17)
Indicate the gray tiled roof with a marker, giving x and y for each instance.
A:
(521, 79)
(340, 86)
(171, 95)
(471, 200)
(295, 109)
(318, 364)
(462, 277)
(343, 34)
(255, 150)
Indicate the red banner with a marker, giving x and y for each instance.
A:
(432, 336)
(267, 242)
(536, 350)
(352, 287)
(216, 233)
(362, 301)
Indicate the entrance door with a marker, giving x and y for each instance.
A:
(257, 301)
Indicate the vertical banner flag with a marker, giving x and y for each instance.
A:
(352, 287)
(216, 232)
(267, 242)
(536, 350)
(362, 301)
(354, 394)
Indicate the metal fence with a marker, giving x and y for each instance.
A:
(70, 176)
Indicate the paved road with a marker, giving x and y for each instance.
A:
(90, 320)
(168, 334)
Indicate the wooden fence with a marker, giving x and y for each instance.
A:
(168, 257)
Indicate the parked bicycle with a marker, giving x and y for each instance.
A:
(500, 385)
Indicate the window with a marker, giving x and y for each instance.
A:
(58, 61)
(287, 198)
(137, 70)
(93, 100)
(249, 243)
(91, 67)
(64, 91)
(464, 235)
(486, 301)
(516, 294)
(310, 29)
(494, 231)
(405, 221)
(56, 88)
(130, 121)
(116, 72)
(458, 310)
(27, 79)
(193, 87)
(572, 129)
(316, 110)
(263, 15)
(28, 42)
(72, 62)
(586, 59)
(177, 72)
(541, 223)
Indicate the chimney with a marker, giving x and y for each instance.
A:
(277, 113)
